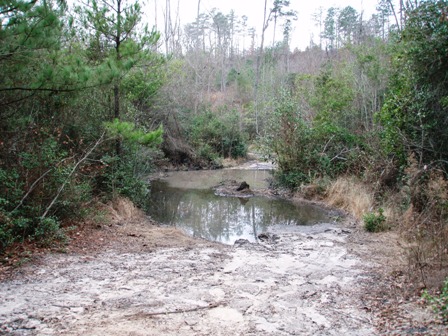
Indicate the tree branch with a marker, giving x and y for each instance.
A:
(37, 89)
(17, 100)
(32, 188)
(11, 9)
(61, 188)
(179, 311)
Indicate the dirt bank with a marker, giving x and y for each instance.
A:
(140, 279)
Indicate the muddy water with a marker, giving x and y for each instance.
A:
(186, 200)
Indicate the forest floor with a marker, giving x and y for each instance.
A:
(129, 276)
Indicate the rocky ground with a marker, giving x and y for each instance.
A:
(131, 277)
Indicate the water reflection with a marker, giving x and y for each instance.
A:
(206, 179)
(201, 213)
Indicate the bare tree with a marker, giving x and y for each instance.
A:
(318, 19)
(273, 13)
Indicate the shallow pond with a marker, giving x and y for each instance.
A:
(186, 200)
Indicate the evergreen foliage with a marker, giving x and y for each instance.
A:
(127, 131)
(415, 114)
(216, 137)
(55, 97)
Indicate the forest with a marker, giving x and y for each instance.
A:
(92, 100)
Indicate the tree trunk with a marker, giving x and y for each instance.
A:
(395, 14)
(117, 115)
(117, 84)
(167, 26)
(257, 74)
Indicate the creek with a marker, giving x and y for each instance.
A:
(187, 201)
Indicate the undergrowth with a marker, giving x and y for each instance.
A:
(424, 223)
(439, 302)
(374, 222)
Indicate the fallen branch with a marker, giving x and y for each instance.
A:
(33, 186)
(326, 145)
(345, 150)
(67, 307)
(178, 311)
(61, 188)
(351, 316)
(31, 189)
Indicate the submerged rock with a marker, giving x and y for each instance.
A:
(233, 189)
(268, 237)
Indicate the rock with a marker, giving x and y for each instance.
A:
(233, 189)
(241, 242)
(263, 236)
(243, 186)
(268, 237)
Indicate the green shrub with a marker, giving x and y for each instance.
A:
(124, 176)
(439, 302)
(48, 231)
(291, 179)
(374, 222)
(414, 113)
(6, 238)
(71, 203)
(207, 153)
(10, 188)
(306, 150)
(21, 228)
(129, 132)
(216, 135)
(44, 231)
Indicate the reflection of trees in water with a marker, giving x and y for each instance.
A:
(163, 205)
(243, 200)
(225, 219)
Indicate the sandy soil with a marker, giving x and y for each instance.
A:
(130, 277)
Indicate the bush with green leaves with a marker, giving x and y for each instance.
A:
(305, 150)
(414, 115)
(216, 135)
(207, 153)
(126, 174)
(333, 97)
(30, 184)
(119, 178)
(48, 231)
(43, 231)
(46, 186)
(374, 222)
(6, 238)
(135, 136)
(439, 303)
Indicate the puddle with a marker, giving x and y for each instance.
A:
(185, 200)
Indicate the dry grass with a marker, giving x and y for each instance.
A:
(424, 225)
(418, 211)
(351, 195)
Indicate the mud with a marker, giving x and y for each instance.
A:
(131, 277)
(300, 283)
